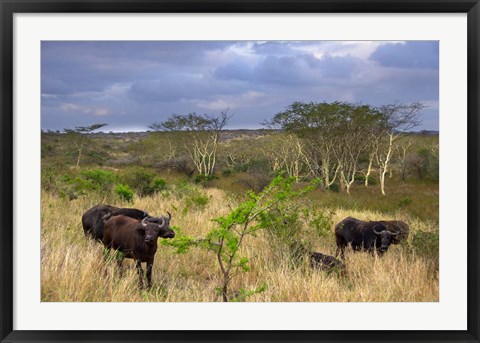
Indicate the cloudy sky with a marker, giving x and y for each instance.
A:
(130, 85)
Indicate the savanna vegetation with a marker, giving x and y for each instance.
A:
(242, 200)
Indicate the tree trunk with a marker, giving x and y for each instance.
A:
(369, 169)
(79, 157)
(382, 180)
(225, 289)
(384, 167)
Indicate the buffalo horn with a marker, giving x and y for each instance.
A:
(375, 230)
(162, 223)
(396, 233)
(144, 224)
(169, 215)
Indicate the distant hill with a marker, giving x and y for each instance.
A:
(225, 136)
(135, 136)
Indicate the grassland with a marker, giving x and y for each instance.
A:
(73, 267)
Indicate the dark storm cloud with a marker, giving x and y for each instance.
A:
(303, 69)
(132, 84)
(408, 55)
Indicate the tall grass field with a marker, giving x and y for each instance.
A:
(73, 267)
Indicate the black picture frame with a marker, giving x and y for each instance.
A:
(10, 7)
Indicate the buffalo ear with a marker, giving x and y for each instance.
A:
(140, 231)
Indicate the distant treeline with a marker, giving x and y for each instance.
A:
(340, 144)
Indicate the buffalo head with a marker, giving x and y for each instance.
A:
(385, 236)
(152, 228)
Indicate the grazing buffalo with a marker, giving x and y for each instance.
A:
(326, 262)
(361, 235)
(136, 239)
(94, 219)
(317, 260)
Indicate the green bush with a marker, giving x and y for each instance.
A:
(99, 179)
(74, 187)
(283, 229)
(159, 184)
(204, 179)
(141, 180)
(283, 224)
(321, 222)
(197, 199)
(426, 243)
(49, 176)
(124, 192)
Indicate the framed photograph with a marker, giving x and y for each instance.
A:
(239, 171)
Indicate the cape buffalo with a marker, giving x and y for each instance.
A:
(94, 219)
(317, 260)
(369, 236)
(326, 262)
(137, 240)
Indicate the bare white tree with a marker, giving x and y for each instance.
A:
(398, 118)
(202, 135)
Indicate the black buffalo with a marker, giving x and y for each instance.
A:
(94, 219)
(316, 260)
(362, 235)
(326, 262)
(137, 240)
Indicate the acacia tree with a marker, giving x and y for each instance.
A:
(397, 119)
(335, 134)
(201, 133)
(78, 137)
(355, 125)
(316, 125)
(402, 150)
(226, 240)
(286, 152)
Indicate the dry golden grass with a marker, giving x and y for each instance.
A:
(73, 268)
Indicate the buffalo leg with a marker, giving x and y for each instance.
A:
(340, 251)
(149, 274)
(140, 273)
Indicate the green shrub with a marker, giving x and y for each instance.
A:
(321, 222)
(124, 192)
(203, 179)
(284, 232)
(283, 225)
(159, 184)
(49, 177)
(197, 199)
(99, 179)
(225, 240)
(426, 243)
(74, 187)
(140, 180)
